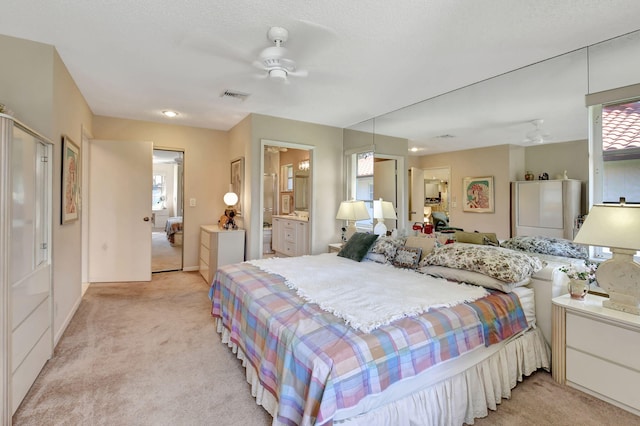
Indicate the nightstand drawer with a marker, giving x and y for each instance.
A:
(601, 376)
(603, 340)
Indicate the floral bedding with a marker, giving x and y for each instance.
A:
(496, 262)
(547, 245)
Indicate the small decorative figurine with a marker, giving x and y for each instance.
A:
(544, 176)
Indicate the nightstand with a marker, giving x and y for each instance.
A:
(595, 350)
(335, 247)
(219, 247)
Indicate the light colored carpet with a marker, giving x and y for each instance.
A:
(164, 256)
(148, 354)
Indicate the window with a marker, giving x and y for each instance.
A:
(286, 178)
(621, 152)
(159, 193)
(364, 184)
(616, 155)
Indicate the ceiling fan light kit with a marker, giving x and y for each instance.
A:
(274, 60)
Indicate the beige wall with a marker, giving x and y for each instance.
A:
(36, 85)
(326, 176)
(492, 161)
(556, 158)
(206, 169)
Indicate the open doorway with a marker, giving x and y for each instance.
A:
(167, 207)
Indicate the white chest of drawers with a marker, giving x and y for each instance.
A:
(219, 247)
(596, 349)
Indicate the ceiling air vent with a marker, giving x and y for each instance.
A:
(234, 95)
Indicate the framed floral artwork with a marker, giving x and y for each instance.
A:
(478, 194)
(237, 182)
(70, 181)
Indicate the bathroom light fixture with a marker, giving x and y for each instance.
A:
(170, 114)
(303, 165)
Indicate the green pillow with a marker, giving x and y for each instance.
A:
(486, 238)
(357, 246)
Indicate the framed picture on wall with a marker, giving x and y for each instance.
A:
(237, 181)
(286, 203)
(70, 180)
(478, 194)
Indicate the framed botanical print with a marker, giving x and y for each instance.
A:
(70, 180)
(237, 181)
(478, 194)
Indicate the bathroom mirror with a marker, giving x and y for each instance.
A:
(301, 191)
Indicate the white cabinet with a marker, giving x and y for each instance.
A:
(219, 247)
(290, 236)
(545, 207)
(26, 328)
(160, 218)
(595, 349)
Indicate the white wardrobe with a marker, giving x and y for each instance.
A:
(545, 207)
(26, 337)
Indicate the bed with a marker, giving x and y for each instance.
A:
(309, 365)
(173, 228)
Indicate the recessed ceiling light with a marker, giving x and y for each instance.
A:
(170, 114)
(414, 149)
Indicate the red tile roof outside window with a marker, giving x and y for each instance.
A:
(621, 126)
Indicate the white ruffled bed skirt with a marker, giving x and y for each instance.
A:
(454, 400)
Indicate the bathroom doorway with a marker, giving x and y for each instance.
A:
(167, 205)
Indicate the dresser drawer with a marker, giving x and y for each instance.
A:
(604, 340)
(205, 239)
(204, 254)
(290, 249)
(290, 234)
(204, 270)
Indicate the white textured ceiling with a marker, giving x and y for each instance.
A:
(133, 59)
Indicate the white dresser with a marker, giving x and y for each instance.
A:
(596, 349)
(290, 236)
(219, 247)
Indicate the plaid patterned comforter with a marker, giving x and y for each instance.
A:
(314, 364)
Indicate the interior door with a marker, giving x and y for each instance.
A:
(120, 210)
(416, 201)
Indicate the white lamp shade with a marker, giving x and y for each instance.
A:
(615, 226)
(383, 210)
(230, 198)
(353, 210)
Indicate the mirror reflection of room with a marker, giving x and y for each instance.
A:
(167, 209)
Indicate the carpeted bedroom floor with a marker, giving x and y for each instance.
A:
(148, 354)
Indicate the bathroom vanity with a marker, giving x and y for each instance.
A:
(290, 235)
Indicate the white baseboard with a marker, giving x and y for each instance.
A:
(85, 286)
(191, 268)
(66, 322)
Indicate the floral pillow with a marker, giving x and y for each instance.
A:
(388, 246)
(407, 257)
(547, 245)
(496, 262)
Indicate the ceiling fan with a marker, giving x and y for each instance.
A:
(274, 59)
(536, 135)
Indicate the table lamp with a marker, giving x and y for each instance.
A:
(382, 210)
(228, 220)
(616, 226)
(352, 211)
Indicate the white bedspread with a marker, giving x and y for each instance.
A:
(366, 295)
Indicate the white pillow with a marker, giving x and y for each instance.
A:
(471, 277)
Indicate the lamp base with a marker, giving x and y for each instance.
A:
(620, 277)
(380, 228)
(351, 229)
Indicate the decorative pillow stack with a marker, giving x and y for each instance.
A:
(547, 245)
